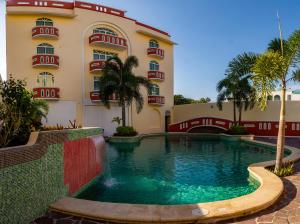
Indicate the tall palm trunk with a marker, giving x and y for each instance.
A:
(123, 116)
(281, 130)
(240, 113)
(234, 112)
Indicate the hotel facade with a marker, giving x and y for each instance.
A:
(60, 48)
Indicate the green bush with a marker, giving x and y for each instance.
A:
(19, 112)
(237, 130)
(287, 169)
(125, 131)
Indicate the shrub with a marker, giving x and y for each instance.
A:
(287, 169)
(237, 130)
(19, 112)
(125, 131)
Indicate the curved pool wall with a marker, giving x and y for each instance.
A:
(270, 189)
(52, 165)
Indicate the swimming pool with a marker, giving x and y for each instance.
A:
(172, 170)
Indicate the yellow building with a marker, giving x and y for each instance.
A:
(60, 48)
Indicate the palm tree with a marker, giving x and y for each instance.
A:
(279, 64)
(236, 86)
(119, 79)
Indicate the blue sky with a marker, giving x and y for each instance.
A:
(209, 33)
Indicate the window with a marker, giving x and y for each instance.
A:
(45, 79)
(153, 44)
(154, 90)
(105, 31)
(96, 83)
(154, 66)
(102, 56)
(289, 97)
(277, 97)
(45, 49)
(44, 22)
(270, 98)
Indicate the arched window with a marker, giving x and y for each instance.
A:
(44, 22)
(154, 90)
(153, 44)
(270, 98)
(45, 79)
(104, 31)
(277, 97)
(45, 49)
(102, 55)
(153, 66)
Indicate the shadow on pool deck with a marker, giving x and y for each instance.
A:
(285, 211)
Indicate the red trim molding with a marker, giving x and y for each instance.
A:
(45, 31)
(112, 41)
(96, 66)
(156, 52)
(95, 96)
(259, 128)
(156, 75)
(48, 93)
(156, 100)
(81, 5)
(34, 3)
(45, 60)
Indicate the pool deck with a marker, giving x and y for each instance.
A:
(286, 210)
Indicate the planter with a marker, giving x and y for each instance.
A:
(121, 139)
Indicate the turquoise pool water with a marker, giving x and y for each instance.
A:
(170, 170)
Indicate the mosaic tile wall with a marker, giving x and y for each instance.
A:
(32, 177)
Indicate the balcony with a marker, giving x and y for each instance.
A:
(96, 66)
(46, 93)
(156, 75)
(95, 96)
(45, 32)
(45, 60)
(156, 100)
(110, 41)
(156, 52)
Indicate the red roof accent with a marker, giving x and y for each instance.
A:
(151, 28)
(78, 4)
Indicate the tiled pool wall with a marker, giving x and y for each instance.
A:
(57, 165)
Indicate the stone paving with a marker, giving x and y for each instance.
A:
(285, 211)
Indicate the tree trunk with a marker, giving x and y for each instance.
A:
(240, 113)
(123, 116)
(234, 113)
(281, 131)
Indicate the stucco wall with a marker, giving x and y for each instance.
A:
(263, 123)
(36, 175)
(75, 53)
(185, 112)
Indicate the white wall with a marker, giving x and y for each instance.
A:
(60, 112)
(100, 116)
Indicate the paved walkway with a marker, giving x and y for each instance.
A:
(285, 211)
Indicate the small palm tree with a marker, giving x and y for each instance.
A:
(119, 79)
(236, 86)
(278, 65)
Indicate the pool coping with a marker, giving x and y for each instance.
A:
(271, 188)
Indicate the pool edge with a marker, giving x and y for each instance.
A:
(271, 188)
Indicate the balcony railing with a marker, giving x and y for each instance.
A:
(47, 93)
(45, 60)
(95, 96)
(96, 66)
(45, 32)
(156, 100)
(156, 75)
(156, 52)
(110, 41)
